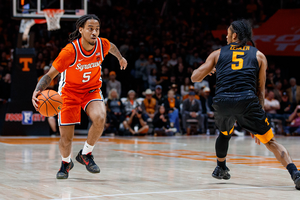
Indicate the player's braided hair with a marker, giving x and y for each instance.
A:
(243, 30)
(80, 23)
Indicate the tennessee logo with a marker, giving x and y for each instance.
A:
(266, 120)
(98, 58)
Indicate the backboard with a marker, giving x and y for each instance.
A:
(33, 9)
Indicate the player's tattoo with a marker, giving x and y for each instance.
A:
(260, 94)
(43, 83)
(115, 51)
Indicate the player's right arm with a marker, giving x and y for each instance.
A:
(206, 68)
(60, 64)
(261, 80)
(43, 84)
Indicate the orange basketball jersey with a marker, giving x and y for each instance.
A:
(81, 70)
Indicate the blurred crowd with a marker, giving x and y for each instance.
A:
(163, 42)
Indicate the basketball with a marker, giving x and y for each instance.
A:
(50, 103)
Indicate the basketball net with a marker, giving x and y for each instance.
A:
(53, 17)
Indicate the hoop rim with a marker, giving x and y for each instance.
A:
(53, 10)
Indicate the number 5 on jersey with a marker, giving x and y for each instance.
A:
(86, 77)
(236, 59)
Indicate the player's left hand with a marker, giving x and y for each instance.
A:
(123, 63)
(257, 141)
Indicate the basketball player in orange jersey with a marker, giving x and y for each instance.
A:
(80, 64)
(240, 93)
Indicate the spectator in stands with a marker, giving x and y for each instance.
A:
(141, 73)
(173, 61)
(270, 84)
(160, 98)
(115, 108)
(184, 89)
(271, 105)
(136, 123)
(131, 103)
(207, 109)
(163, 78)
(200, 85)
(113, 83)
(161, 123)
(157, 57)
(149, 105)
(150, 65)
(180, 73)
(152, 79)
(278, 76)
(278, 91)
(195, 59)
(5, 81)
(108, 128)
(294, 92)
(165, 61)
(105, 75)
(294, 119)
(192, 109)
(172, 106)
(191, 89)
(285, 110)
(174, 87)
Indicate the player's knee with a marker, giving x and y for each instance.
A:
(65, 141)
(271, 143)
(98, 120)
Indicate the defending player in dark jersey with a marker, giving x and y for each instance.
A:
(240, 91)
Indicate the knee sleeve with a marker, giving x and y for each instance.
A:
(222, 145)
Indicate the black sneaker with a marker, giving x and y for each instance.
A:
(296, 179)
(63, 172)
(220, 173)
(88, 161)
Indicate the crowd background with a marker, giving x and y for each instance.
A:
(163, 42)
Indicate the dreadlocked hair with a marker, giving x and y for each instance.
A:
(243, 30)
(80, 23)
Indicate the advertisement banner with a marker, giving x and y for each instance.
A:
(278, 36)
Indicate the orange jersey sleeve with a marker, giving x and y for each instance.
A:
(106, 46)
(65, 58)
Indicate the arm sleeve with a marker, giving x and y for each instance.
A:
(65, 58)
(105, 45)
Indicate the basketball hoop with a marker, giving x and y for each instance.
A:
(53, 17)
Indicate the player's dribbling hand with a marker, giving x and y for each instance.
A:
(212, 71)
(257, 141)
(35, 100)
(123, 63)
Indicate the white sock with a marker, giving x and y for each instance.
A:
(67, 159)
(87, 148)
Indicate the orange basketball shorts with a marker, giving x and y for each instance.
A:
(70, 113)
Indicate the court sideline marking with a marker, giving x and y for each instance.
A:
(165, 192)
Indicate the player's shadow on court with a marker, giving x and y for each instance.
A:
(243, 185)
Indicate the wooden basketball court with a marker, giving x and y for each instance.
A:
(145, 168)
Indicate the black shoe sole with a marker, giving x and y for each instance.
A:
(65, 175)
(79, 159)
(217, 177)
(297, 183)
